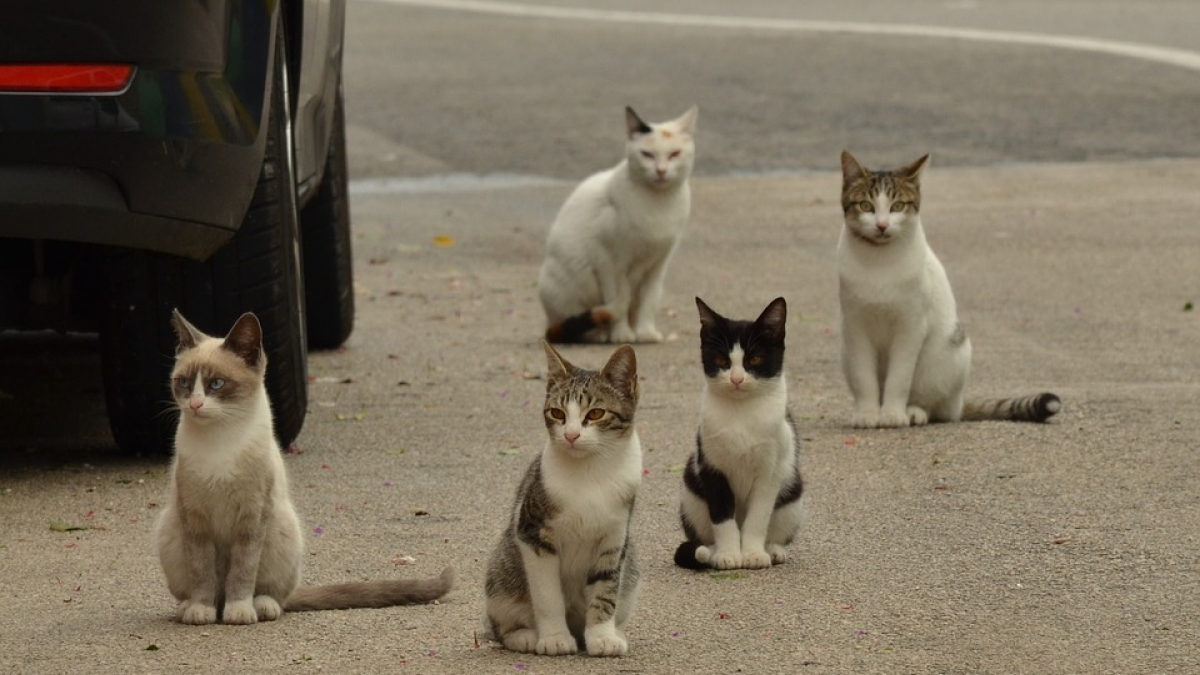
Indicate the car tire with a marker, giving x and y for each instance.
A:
(328, 267)
(258, 270)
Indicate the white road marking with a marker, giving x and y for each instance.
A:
(1162, 55)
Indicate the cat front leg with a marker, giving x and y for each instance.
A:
(600, 634)
(860, 363)
(618, 295)
(648, 296)
(902, 364)
(245, 554)
(759, 507)
(200, 607)
(542, 569)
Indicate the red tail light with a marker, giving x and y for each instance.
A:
(65, 78)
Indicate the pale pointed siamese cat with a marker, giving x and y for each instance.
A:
(608, 249)
(905, 354)
(229, 539)
(740, 503)
(563, 576)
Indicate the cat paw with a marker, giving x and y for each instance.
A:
(865, 419)
(605, 641)
(620, 335)
(917, 417)
(267, 608)
(649, 335)
(196, 614)
(557, 644)
(726, 560)
(523, 640)
(779, 554)
(240, 612)
(756, 560)
(893, 419)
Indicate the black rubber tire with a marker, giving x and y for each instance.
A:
(328, 265)
(259, 270)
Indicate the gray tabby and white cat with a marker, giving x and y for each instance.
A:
(563, 576)
(609, 247)
(740, 503)
(905, 354)
(229, 540)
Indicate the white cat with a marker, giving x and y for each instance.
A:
(229, 540)
(905, 354)
(608, 250)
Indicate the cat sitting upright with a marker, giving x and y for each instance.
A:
(609, 247)
(905, 354)
(229, 540)
(563, 576)
(740, 503)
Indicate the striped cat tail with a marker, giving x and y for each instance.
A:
(575, 329)
(688, 555)
(1036, 408)
(364, 594)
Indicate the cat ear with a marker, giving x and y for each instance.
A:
(687, 121)
(774, 318)
(621, 371)
(708, 318)
(634, 124)
(913, 171)
(245, 339)
(851, 169)
(189, 335)
(557, 366)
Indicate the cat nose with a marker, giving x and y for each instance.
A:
(882, 226)
(737, 378)
(195, 403)
(571, 436)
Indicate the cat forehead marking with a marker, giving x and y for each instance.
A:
(666, 133)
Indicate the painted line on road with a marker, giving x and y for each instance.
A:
(447, 182)
(1163, 55)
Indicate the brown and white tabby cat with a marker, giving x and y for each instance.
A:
(229, 540)
(905, 354)
(563, 576)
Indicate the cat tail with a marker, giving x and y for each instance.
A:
(370, 594)
(692, 555)
(1036, 408)
(576, 328)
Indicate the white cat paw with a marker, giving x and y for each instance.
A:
(557, 644)
(196, 614)
(917, 416)
(726, 560)
(605, 641)
(893, 419)
(865, 419)
(240, 612)
(621, 335)
(703, 555)
(523, 640)
(779, 554)
(267, 608)
(756, 560)
(649, 335)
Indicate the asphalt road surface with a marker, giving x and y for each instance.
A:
(1061, 198)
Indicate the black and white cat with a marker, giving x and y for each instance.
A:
(228, 538)
(609, 247)
(563, 576)
(905, 354)
(740, 504)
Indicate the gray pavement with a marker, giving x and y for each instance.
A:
(983, 548)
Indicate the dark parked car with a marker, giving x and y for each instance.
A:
(157, 154)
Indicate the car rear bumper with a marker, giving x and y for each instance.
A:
(169, 164)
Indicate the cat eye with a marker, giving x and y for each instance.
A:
(866, 207)
(754, 360)
(647, 154)
(897, 207)
(183, 383)
(676, 154)
(216, 384)
(722, 362)
(557, 414)
(595, 414)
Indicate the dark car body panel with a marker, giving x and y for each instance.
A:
(169, 164)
